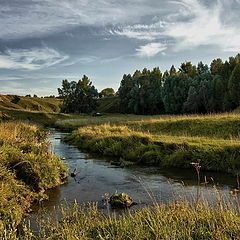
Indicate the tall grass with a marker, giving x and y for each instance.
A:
(27, 169)
(73, 123)
(177, 220)
(156, 149)
(225, 125)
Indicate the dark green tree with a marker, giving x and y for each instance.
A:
(78, 97)
(234, 87)
(124, 93)
(175, 93)
(188, 69)
(201, 94)
(202, 68)
(216, 67)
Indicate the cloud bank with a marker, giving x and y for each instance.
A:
(33, 17)
(195, 23)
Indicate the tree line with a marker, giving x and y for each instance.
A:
(189, 89)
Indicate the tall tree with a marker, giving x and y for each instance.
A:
(80, 97)
(188, 69)
(234, 87)
(175, 93)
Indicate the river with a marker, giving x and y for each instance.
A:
(96, 177)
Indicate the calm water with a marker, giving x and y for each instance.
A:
(95, 177)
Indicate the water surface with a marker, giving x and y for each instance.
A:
(97, 177)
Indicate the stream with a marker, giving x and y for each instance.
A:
(97, 177)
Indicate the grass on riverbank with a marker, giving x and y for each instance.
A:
(225, 125)
(115, 119)
(179, 220)
(27, 168)
(134, 142)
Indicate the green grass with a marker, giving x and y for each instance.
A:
(72, 123)
(225, 126)
(44, 111)
(27, 169)
(212, 140)
(173, 221)
(30, 103)
(42, 118)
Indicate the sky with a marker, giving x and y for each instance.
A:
(43, 42)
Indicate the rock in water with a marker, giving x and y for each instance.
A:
(121, 200)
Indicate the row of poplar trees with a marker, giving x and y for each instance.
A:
(190, 89)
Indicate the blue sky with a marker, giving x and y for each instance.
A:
(43, 42)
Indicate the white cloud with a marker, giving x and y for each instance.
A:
(206, 26)
(19, 90)
(140, 32)
(10, 78)
(81, 60)
(150, 50)
(33, 17)
(192, 23)
(30, 59)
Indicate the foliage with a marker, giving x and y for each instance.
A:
(234, 87)
(78, 97)
(107, 92)
(175, 93)
(141, 93)
(191, 89)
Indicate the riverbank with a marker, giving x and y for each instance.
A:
(179, 220)
(27, 169)
(165, 221)
(211, 140)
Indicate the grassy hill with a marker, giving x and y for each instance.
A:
(39, 110)
(30, 103)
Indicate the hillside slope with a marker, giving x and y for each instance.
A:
(30, 103)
